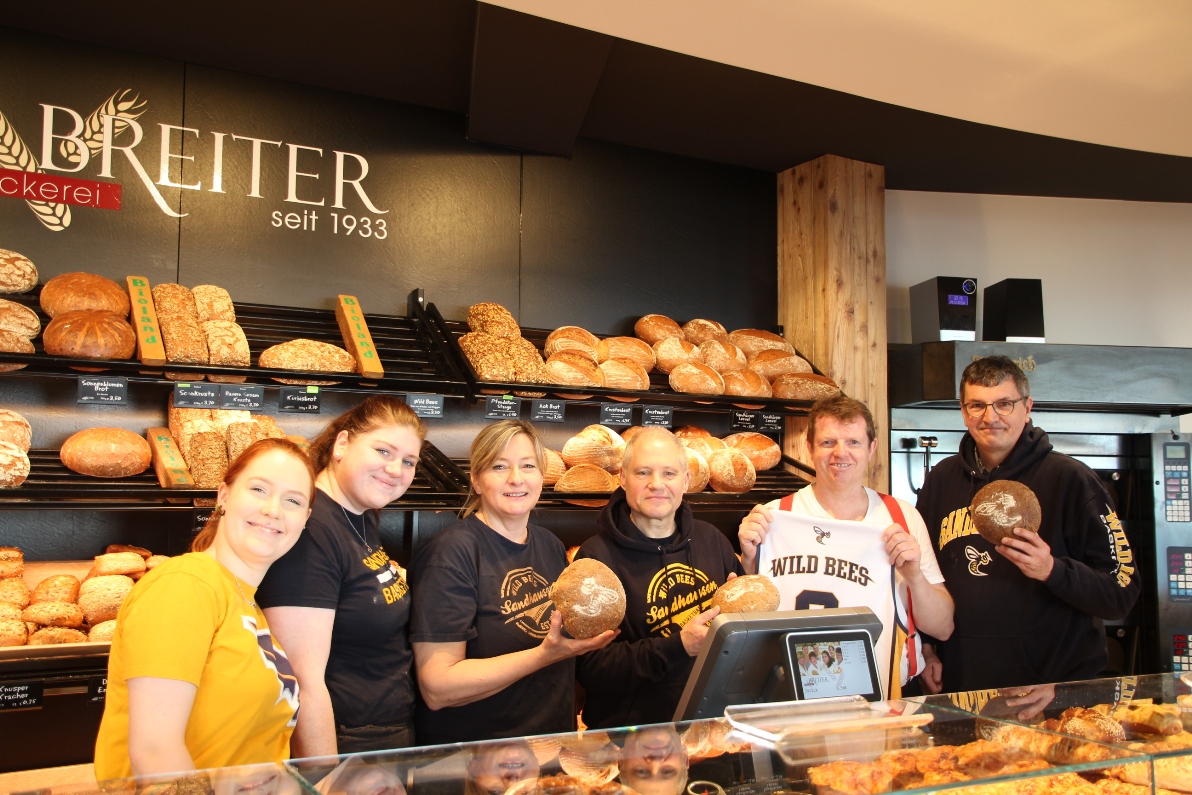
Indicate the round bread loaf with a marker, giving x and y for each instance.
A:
(17, 273)
(772, 363)
(71, 292)
(699, 331)
(690, 432)
(13, 633)
(696, 379)
(587, 478)
(14, 465)
(630, 432)
(100, 597)
(590, 597)
(571, 338)
(624, 373)
(760, 449)
(493, 319)
(102, 632)
(106, 453)
(573, 368)
(751, 593)
(1000, 506)
(15, 429)
(14, 591)
(555, 467)
(697, 468)
(54, 614)
(90, 334)
(14, 343)
(723, 357)
(654, 328)
(704, 445)
(48, 636)
(304, 354)
(19, 319)
(596, 445)
(730, 471)
(752, 340)
(114, 564)
(803, 386)
(626, 348)
(746, 383)
(674, 351)
(56, 588)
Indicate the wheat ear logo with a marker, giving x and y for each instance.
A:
(121, 108)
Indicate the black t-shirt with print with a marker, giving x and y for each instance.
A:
(472, 584)
(368, 670)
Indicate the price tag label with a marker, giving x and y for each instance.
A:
(430, 406)
(742, 420)
(201, 517)
(97, 688)
(196, 396)
(301, 399)
(616, 413)
(244, 397)
(102, 389)
(547, 410)
(658, 415)
(772, 423)
(502, 407)
(20, 695)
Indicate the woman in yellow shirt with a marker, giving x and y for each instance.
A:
(195, 679)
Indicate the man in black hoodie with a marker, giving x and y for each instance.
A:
(671, 565)
(1026, 608)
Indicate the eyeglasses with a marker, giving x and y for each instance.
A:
(1002, 407)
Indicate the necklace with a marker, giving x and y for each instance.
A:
(359, 534)
(247, 601)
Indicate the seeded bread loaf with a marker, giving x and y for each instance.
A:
(184, 340)
(19, 319)
(207, 458)
(56, 588)
(14, 343)
(174, 300)
(304, 354)
(493, 319)
(17, 273)
(100, 597)
(10, 612)
(71, 292)
(14, 591)
(13, 632)
(54, 614)
(213, 303)
(48, 636)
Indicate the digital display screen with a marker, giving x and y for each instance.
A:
(1175, 451)
(958, 300)
(835, 668)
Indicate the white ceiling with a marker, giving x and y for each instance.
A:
(1114, 72)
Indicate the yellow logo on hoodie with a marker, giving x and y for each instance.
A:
(677, 594)
(957, 524)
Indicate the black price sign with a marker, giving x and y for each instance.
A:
(241, 396)
(772, 423)
(201, 517)
(547, 410)
(658, 415)
(20, 695)
(102, 389)
(741, 420)
(196, 396)
(301, 399)
(97, 688)
(430, 406)
(616, 414)
(502, 407)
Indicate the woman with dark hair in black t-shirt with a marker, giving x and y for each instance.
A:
(492, 660)
(337, 603)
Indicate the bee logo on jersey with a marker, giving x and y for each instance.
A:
(976, 561)
(525, 602)
(821, 534)
(275, 660)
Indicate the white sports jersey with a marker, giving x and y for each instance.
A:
(866, 580)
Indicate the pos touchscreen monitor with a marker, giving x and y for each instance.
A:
(748, 658)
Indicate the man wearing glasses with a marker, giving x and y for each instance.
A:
(1026, 608)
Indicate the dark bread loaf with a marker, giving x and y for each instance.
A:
(1001, 506)
(752, 593)
(590, 597)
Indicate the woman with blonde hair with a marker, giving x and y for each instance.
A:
(195, 679)
(337, 602)
(488, 644)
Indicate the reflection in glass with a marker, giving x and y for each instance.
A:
(493, 769)
(654, 761)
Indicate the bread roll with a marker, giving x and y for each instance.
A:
(19, 319)
(586, 478)
(673, 351)
(174, 300)
(752, 340)
(704, 445)
(213, 303)
(54, 614)
(626, 348)
(56, 588)
(590, 597)
(106, 453)
(804, 386)
(750, 593)
(746, 383)
(72, 292)
(90, 334)
(10, 612)
(730, 471)
(696, 379)
(116, 563)
(571, 338)
(654, 328)
(102, 632)
(12, 562)
(493, 319)
(697, 467)
(14, 343)
(207, 458)
(14, 591)
(304, 354)
(17, 273)
(573, 368)
(622, 373)
(14, 465)
(771, 363)
(699, 331)
(53, 635)
(112, 548)
(1001, 505)
(153, 561)
(100, 597)
(13, 633)
(555, 467)
(723, 357)
(763, 451)
(690, 432)
(15, 429)
(596, 445)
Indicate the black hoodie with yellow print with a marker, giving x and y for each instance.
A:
(639, 678)
(1012, 630)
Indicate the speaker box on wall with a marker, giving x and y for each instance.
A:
(944, 309)
(1014, 311)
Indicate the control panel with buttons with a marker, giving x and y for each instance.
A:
(1177, 503)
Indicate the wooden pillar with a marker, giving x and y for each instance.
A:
(832, 286)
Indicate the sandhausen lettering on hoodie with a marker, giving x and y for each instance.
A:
(810, 564)
(957, 524)
(675, 595)
(1119, 547)
(974, 700)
